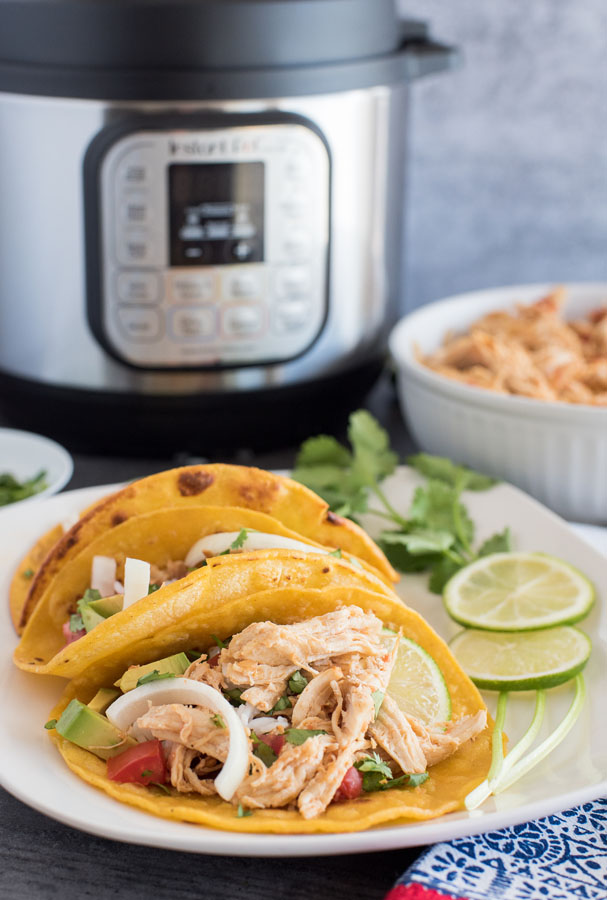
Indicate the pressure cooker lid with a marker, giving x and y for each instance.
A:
(216, 34)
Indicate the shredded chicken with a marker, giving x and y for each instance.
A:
(185, 768)
(532, 352)
(202, 671)
(437, 745)
(283, 781)
(393, 732)
(171, 571)
(191, 726)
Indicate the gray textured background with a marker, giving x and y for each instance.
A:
(508, 168)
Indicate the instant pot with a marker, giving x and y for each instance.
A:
(201, 215)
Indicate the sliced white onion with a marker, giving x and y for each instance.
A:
(246, 712)
(136, 580)
(215, 544)
(128, 708)
(103, 575)
(265, 724)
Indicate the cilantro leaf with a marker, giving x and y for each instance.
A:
(373, 458)
(497, 543)
(323, 450)
(336, 553)
(374, 763)
(90, 595)
(153, 588)
(378, 699)
(161, 787)
(416, 780)
(242, 812)
(218, 721)
(300, 735)
(283, 703)
(263, 752)
(239, 540)
(442, 571)
(234, 696)
(419, 541)
(297, 682)
(146, 773)
(50, 724)
(403, 561)
(221, 644)
(436, 507)
(28, 573)
(155, 675)
(445, 470)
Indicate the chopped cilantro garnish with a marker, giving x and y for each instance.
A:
(234, 696)
(146, 773)
(242, 812)
(377, 775)
(218, 721)
(28, 573)
(162, 787)
(153, 588)
(283, 703)
(12, 490)
(262, 751)
(221, 644)
(298, 736)
(193, 655)
(76, 623)
(297, 682)
(336, 553)
(154, 676)
(238, 542)
(90, 595)
(378, 699)
(50, 724)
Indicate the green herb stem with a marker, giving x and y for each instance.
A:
(550, 743)
(519, 749)
(484, 789)
(404, 523)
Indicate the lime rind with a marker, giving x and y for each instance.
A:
(482, 595)
(564, 652)
(418, 686)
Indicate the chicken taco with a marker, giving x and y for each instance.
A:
(100, 594)
(293, 505)
(292, 710)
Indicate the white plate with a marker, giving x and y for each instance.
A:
(34, 772)
(24, 454)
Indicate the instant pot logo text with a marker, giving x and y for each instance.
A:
(207, 148)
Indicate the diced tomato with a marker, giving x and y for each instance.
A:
(351, 786)
(275, 741)
(214, 660)
(71, 636)
(139, 765)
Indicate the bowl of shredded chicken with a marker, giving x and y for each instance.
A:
(513, 381)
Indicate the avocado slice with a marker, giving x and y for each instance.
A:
(90, 730)
(107, 606)
(170, 665)
(102, 699)
(89, 617)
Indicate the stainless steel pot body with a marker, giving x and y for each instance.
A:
(45, 332)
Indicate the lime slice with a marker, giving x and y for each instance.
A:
(417, 684)
(518, 592)
(524, 660)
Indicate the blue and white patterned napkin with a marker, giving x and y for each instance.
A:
(560, 857)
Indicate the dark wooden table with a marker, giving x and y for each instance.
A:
(40, 858)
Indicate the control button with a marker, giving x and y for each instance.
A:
(240, 284)
(243, 320)
(139, 287)
(134, 247)
(297, 166)
(193, 322)
(139, 323)
(135, 209)
(293, 282)
(134, 170)
(296, 245)
(189, 287)
(292, 316)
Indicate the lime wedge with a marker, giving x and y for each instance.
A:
(521, 661)
(518, 592)
(417, 685)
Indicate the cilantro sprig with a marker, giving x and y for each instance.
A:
(377, 775)
(12, 490)
(436, 535)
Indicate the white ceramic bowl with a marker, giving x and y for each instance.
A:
(555, 451)
(23, 454)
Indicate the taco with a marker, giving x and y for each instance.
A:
(292, 504)
(74, 616)
(274, 713)
(26, 570)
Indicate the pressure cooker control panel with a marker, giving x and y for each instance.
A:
(208, 248)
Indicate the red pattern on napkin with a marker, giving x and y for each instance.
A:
(416, 891)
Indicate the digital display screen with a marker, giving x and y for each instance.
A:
(216, 213)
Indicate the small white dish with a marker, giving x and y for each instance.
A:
(574, 773)
(555, 451)
(24, 454)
